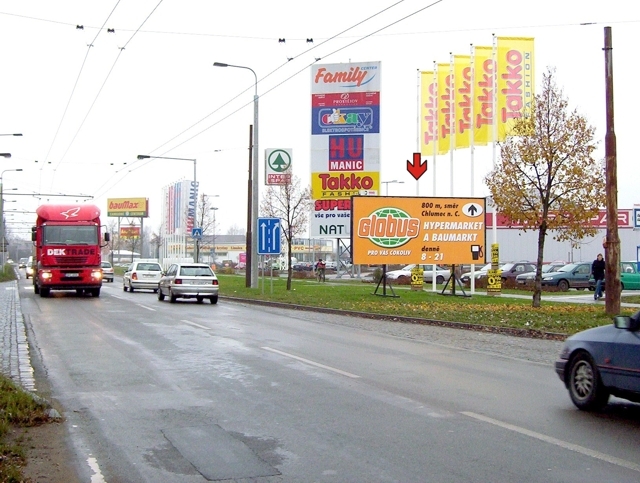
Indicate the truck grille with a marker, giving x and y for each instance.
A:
(71, 261)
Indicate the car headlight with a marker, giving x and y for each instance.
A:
(546, 279)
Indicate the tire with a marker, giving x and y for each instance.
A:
(563, 285)
(160, 295)
(36, 288)
(439, 279)
(155, 290)
(124, 287)
(585, 385)
(80, 291)
(45, 292)
(95, 292)
(199, 299)
(172, 298)
(131, 289)
(214, 299)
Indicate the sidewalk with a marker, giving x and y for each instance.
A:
(16, 362)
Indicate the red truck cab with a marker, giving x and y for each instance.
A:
(68, 244)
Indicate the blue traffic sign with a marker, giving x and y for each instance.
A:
(636, 218)
(196, 233)
(268, 236)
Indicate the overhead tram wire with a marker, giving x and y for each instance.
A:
(251, 87)
(75, 85)
(102, 86)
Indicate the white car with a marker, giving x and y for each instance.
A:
(482, 272)
(404, 274)
(142, 274)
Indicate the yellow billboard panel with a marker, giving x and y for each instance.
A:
(403, 230)
(128, 207)
(334, 185)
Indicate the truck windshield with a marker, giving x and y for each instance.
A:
(70, 235)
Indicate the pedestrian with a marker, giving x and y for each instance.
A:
(320, 270)
(597, 270)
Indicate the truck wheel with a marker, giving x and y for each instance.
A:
(36, 288)
(95, 292)
(44, 292)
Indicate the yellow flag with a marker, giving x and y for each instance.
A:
(483, 91)
(428, 113)
(445, 109)
(462, 85)
(515, 81)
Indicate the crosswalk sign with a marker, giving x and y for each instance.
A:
(196, 233)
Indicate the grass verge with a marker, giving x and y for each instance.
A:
(18, 409)
(480, 310)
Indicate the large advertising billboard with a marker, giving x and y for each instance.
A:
(119, 207)
(403, 230)
(345, 142)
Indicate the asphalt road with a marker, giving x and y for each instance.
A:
(186, 392)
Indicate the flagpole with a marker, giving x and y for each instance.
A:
(419, 147)
(472, 64)
(494, 123)
(452, 121)
(435, 124)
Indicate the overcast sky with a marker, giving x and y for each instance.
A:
(149, 87)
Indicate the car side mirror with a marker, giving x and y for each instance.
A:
(625, 322)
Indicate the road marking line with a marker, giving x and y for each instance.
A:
(145, 307)
(195, 325)
(307, 361)
(558, 442)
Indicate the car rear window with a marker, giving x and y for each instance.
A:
(149, 267)
(196, 271)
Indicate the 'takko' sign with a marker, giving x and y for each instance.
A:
(390, 230)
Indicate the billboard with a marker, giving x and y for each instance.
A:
(403, 230)
(129, 232)
(119, 207)
(345, 142)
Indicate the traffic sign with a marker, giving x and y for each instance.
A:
(636, 218)
(268, 236)
(196, 233)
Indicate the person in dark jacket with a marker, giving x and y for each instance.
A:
(597, 270)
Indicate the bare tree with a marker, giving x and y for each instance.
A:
(236, 230)
(203, 219)
(291, 204)
(546, 178)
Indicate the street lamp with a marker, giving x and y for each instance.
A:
(214, 209)
(386, 185)
(4, 155)
(195, 190)
(18, 134)
(252, 223)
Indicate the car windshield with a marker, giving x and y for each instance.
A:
(149, 267)
(70, 235)
(507, 267)
(106, 265)
(568, 268)
(409, 267)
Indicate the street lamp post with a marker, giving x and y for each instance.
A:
(18, 134)
(214, 209)
(253, 234)
(196, 255)
(2, 224)
(386, 185)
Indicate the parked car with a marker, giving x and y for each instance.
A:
(482, 272)
(602, 361)
(189, 280)
(442, 274)
(572, 275)
(107, 272)
(22, 263)
(142, 274)
(629, 277)
(330, 265)
(302, 267)
(529, 277)
(509, 271)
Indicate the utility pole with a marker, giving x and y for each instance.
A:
(612, 243)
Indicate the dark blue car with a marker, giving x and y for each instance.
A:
(602, 361)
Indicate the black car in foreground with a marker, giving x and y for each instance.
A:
(602, 361)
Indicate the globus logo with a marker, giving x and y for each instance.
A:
(389, 227)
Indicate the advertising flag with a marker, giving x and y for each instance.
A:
(428, 113)
(445, 109)
(515, 81)
(483, 92)
(462, 86)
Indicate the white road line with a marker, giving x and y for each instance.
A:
(558, 442)
(196, 325)
(145, 307)
(307, 361)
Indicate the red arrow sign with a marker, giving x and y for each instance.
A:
(416, 168)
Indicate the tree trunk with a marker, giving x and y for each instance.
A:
(289, 269)
(537, 286)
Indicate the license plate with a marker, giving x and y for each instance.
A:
(202, 282)
(71, 274)
(148, 275)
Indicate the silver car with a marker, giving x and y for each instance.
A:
(142, 274)
(189, 281)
